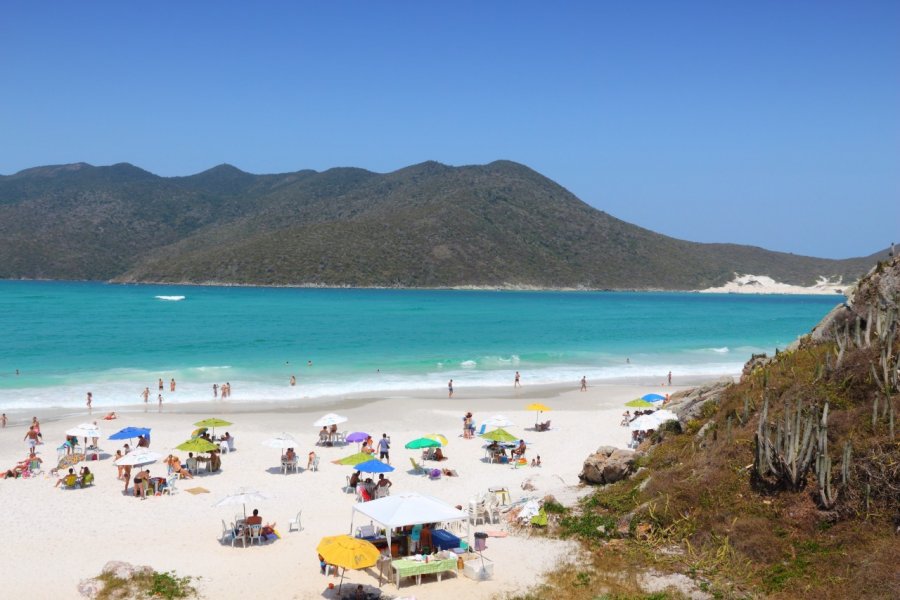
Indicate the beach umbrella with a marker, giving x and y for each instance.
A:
(536, 406)
(639, 404)
(437, 437)
(652, 421)
(197, 445)
(348, 553)
(354, 459)
(498, 421)
(242, 496)
(129, 433)
(330, 419)
(212, 423)
(652, 397)
(358, 436)
(500, 435)
(282, 440)
(88, 430)
(423, 442)
(373, 466)
(138, 458)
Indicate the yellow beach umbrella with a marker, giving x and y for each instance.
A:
(537, 406)
(348, 553)
(438, 438)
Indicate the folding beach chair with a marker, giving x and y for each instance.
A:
(417, 468)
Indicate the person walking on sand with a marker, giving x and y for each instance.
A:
(31, 438)
(90, 400)
(3, 421)
(293, 380)
(584, 383)
(450, 388)
(160, 384)
(172, 385)
(146, 394)
(516, 383)
(670, 377)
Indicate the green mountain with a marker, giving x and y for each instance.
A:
(426, 225)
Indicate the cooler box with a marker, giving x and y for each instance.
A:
(479, 569)
(442, 539)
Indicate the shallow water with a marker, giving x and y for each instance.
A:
(69, 338)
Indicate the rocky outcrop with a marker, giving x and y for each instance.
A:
(689, 403)
(608, 465)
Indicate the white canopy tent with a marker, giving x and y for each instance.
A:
(408, 508)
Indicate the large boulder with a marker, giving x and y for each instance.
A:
(608, 465)
(689, 403)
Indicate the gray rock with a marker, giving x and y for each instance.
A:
(608, 465)
(89, 588)
(118, 568)
(689, 403)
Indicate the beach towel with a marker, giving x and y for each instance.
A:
(497, 534)
(197, 490)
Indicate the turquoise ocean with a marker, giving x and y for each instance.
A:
(69, 338)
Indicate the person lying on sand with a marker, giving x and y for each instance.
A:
(110, 416)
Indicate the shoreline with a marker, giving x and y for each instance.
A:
(492, 395)
(778, 289)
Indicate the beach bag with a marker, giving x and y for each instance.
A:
(434, 474)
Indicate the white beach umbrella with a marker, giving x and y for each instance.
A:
(282, 440)
(88, 430)
(652, 421)
(242, 496)
(498, 421)
(138, 458)
(330, 419)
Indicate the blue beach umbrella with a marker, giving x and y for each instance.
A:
(373, 466)
(652, 397)
(129, 433)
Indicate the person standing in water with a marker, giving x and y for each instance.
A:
(90, 400)
(172, 385)
(160, 384)
(516, 383)
(146, 394)
(670, 377)
(215, 390)
(293, 380)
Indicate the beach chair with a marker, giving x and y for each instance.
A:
(382, 491)
(341, 437)
(417, 468)
(477, 510)
(70, 482)
(481, 431)
(171, 487)
(295, 524)
(348, 489)
(314, 465)
(236, 535)
(256, 534)
(543, 426)
(192, 466)
(87, 480)
(33, 470)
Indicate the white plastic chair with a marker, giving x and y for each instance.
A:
(192, 466)
(256, 534)
(171, 487)
(226, 532)
(315, 464)
(295, 523)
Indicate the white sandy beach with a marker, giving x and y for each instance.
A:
(56, 537)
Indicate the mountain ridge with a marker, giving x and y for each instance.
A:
(500, 224)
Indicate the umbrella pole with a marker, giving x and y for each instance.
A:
(344, 572)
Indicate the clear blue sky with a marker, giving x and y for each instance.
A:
(768, 123)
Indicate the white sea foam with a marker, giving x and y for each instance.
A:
(469, 364)
(170, 298)
(722, 350)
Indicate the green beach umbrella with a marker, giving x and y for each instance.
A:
(500, 435)
(354, 459)
(197, 445)
(639, 404)
(423, 443)
(212, 423)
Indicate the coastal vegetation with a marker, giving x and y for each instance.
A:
(786, 485)
(427, 225)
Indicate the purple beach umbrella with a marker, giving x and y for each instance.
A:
(357, 436)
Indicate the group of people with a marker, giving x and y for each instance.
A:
(369, 489)
(83, 479)
(224, 390)
(468, 426)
